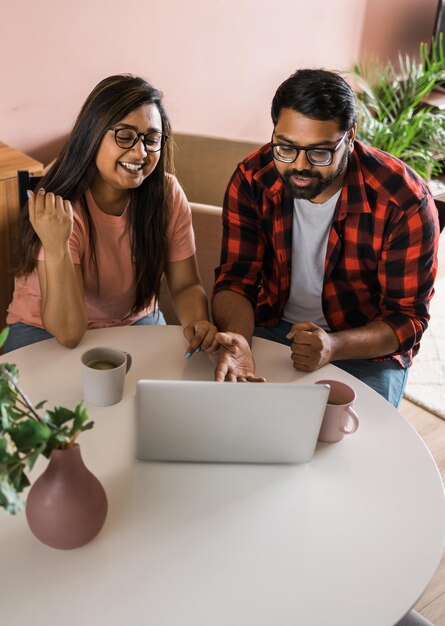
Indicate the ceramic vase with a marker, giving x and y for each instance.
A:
(66, 506)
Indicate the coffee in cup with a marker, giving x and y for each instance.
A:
(103, 375)
(339, 412)
(98, 364)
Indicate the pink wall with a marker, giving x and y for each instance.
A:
(217, 61)
(393, 26)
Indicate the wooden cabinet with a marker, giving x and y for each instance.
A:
(10, 161)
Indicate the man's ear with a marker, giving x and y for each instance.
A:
(351, 137)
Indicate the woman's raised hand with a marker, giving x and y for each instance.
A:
(201, 336)
(52, 218)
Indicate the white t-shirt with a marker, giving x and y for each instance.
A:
(310, 233)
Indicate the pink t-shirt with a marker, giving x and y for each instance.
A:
(111, 304)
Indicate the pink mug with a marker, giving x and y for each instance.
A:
(338, 412)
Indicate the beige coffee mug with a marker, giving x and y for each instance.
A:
(339, 412)
(103, 375)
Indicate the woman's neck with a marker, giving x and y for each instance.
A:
(110, 201)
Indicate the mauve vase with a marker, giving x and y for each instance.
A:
(66, 506)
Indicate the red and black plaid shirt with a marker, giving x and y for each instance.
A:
(381, 257)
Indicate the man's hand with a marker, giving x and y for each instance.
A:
(235, 360)
(312, 347)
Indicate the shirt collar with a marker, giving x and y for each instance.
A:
(267, 174)
(353, 197)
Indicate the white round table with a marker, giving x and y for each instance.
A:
(352, 538)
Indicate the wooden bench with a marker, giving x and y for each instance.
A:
(204, 166)
(207, 225)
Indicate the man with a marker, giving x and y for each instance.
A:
(328, 245)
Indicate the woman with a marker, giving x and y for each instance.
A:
(106, 224)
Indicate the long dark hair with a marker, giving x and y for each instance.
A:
(74, 169)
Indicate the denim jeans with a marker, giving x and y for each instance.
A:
(24, 335)
(388, 378)
(152, 319)
(21, 335)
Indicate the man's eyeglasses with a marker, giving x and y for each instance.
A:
(288, 153)
(128, 137)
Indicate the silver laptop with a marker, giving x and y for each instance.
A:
(228, 422)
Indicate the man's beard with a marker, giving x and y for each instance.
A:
(318, 184)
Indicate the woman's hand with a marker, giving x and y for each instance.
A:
(201, 336)
(52, 219)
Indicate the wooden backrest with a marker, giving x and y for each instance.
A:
(11, 160)
(207, 225)
(25, 181)
(204, 165)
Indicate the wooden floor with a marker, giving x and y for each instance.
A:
(432, 430)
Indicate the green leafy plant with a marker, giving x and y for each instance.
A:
(391, 109)
(25, 434)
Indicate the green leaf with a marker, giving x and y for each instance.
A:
(9, 498)
(391, 114)
(18, 478)
(57, 440)
(29, 434)
(80, 417)
(5, 417)
(61, 415)
(4, 335)
(33, 456)
(48, 449)
(4, 456)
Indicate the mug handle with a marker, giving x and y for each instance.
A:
(353, 415)
(129, 361)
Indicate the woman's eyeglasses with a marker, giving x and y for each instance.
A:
(127, 138)
(288, 153)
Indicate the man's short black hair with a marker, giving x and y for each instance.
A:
(318, 94)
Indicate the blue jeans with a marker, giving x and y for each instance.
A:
(152, 319)
(24, 335)
(388, 378)
(21, 335)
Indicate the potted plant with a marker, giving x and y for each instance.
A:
(391, 110)
(66, 506)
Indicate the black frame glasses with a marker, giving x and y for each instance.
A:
(313, 155)
(132, 137)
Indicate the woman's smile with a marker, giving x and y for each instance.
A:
(131, 167)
